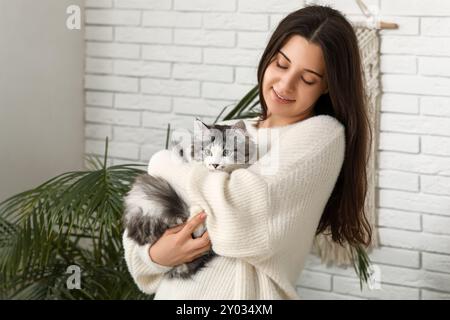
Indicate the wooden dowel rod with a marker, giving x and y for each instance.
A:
(388, 25)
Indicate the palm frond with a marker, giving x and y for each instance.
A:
(72, 219)
(241, 110)
(361, 264)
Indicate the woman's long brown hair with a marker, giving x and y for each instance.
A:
(344, 215)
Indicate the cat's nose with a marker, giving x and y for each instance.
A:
(215, 165)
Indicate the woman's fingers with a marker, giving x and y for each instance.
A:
(201, 251)
(205, 235)
(201, 242)
(175, 229)
(192, 224)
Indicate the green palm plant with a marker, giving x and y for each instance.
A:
(245, 108)
(74, 219)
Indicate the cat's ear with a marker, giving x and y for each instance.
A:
(175, 146)
(200, 127)
(239, 125)
(179, 142)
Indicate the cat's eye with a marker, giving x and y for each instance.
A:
(226, 153)
(207, 152)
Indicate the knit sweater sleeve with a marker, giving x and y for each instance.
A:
(146, 273)
(250, 211)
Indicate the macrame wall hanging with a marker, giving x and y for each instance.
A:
(367, 32)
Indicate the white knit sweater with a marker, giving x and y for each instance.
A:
(261, 224)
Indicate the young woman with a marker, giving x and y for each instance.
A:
(262, 224)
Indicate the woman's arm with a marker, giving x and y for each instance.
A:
(236, 219)
(146, 273)
(173, 248)
(249, 211)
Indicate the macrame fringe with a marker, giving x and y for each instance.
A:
(332, 253)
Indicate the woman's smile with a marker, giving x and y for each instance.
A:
(278, 99)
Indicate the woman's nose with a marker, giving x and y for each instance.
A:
(286, 85)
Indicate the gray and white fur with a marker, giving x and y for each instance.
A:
(152, 206)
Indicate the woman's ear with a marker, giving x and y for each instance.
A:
(324, 86)
(326, 89)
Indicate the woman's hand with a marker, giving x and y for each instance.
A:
(176, 246)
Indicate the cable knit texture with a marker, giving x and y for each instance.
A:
(261, 222)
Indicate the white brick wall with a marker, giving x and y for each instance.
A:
(150, 62)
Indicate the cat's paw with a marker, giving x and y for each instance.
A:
(199, 231)
(195, 209)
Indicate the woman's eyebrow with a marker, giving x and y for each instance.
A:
(309, 70)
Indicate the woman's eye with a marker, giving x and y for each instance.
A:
(307, 82)
(279, 66)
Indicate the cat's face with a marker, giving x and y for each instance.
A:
(222, 147)
(215, 156)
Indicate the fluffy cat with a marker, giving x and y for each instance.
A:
(152, 205)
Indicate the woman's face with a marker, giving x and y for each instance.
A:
(296, 73)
